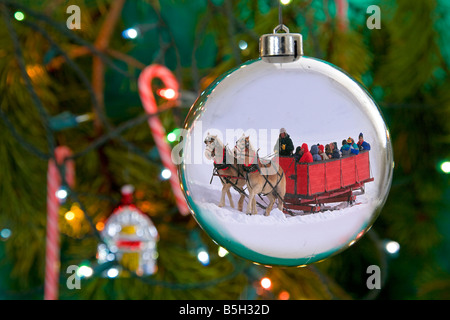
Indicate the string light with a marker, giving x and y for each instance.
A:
(171, 137)
(243, 45)
(392, 247)
(74, 213)
(69, 215)
(85, 271)
(203, 257)
(445, 167)
(112, 273)
(266, 283)
(168, 94)
(19, 16)
(130, 33)
(284, 295)
(61, 194)
(5, 234)
(100, 226)
(166, 174)
(285, 2)
(174, 135)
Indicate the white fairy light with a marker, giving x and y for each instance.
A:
(392, 247)
(112, 272)
(203, 257)
(61, 194)
(266, 283)
(445, 167)
(166, 174)
(130, 33)
(243, 45)
(85, 272)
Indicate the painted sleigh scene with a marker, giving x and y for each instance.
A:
(286, 164)
(320, 179)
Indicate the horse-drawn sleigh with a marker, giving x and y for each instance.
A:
(298, 187)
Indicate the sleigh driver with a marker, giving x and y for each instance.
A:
(284, 146)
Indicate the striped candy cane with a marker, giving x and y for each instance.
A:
(342, 13)
(159, 134)
(52, 261)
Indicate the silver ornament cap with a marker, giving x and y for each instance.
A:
(280, 47)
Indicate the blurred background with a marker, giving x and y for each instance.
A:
(77, 87)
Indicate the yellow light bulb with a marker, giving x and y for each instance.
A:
(69, 215)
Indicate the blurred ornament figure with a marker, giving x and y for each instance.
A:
(130, 238)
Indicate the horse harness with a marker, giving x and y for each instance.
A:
(224, 166)
(247, 169)
(252, 167)
(256, 167)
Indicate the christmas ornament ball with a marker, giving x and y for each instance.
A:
(286, 159)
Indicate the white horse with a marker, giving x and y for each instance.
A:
(267, 179)
(227, 169)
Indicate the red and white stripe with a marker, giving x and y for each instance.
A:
(159, 134)
(52, 260)
(342, 14)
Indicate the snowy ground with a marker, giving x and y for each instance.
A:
(280, 235)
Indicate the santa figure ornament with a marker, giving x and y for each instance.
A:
(272, 165)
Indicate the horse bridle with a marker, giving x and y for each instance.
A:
(211, 141)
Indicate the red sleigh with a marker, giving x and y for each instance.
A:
(312, 187)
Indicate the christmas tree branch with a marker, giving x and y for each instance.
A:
(36, 101)
(98, 67)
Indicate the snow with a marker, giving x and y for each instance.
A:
(281, 235)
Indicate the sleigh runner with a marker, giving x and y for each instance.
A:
(311, 186)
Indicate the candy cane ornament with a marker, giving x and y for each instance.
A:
(52, 258)
(159, 134)
(342, 14)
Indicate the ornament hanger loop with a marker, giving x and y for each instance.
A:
(280, 47)
(281, 27)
